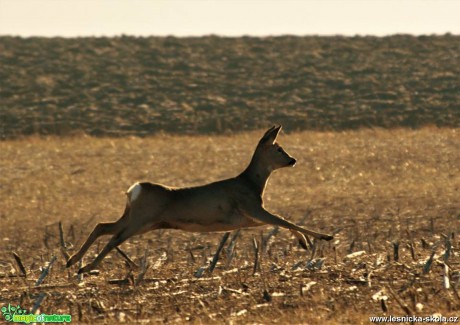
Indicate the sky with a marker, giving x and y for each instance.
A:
(73, 18)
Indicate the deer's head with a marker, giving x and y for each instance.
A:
(271, 153)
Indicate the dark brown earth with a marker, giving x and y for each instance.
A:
(139, 86)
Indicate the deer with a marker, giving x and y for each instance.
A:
(221, 206)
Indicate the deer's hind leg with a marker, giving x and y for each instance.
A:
(127, 232)
(101, 229)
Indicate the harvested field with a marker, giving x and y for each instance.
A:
(140, 86)
(390, 196)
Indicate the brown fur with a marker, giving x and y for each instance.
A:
(225, 205)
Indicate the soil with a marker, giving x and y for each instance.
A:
(374, 126)
(140, 86)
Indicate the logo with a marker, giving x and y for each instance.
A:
(18, 315)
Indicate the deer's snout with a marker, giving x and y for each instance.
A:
(292, 162)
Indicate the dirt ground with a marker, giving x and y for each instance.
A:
(390, 197)
(140, 86)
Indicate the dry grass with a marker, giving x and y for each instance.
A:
(372, 187)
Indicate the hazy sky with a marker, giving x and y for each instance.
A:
(227, 17)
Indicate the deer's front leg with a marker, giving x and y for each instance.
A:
(303, 240)
(260, 214)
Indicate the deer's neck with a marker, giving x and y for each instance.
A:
(257, 175)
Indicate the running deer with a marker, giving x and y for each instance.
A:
(225, 205)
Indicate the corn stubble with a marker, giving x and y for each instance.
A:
(391, 198)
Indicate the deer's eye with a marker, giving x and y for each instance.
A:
(280, 150)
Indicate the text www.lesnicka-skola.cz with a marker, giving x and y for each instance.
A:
(414, 319)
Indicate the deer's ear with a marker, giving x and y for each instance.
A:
(270, 136)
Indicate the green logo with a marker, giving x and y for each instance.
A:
(18, 315)
(11, 311)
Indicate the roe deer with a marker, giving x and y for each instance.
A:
(225, 205)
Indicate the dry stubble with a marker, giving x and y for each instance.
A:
(372, 187)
